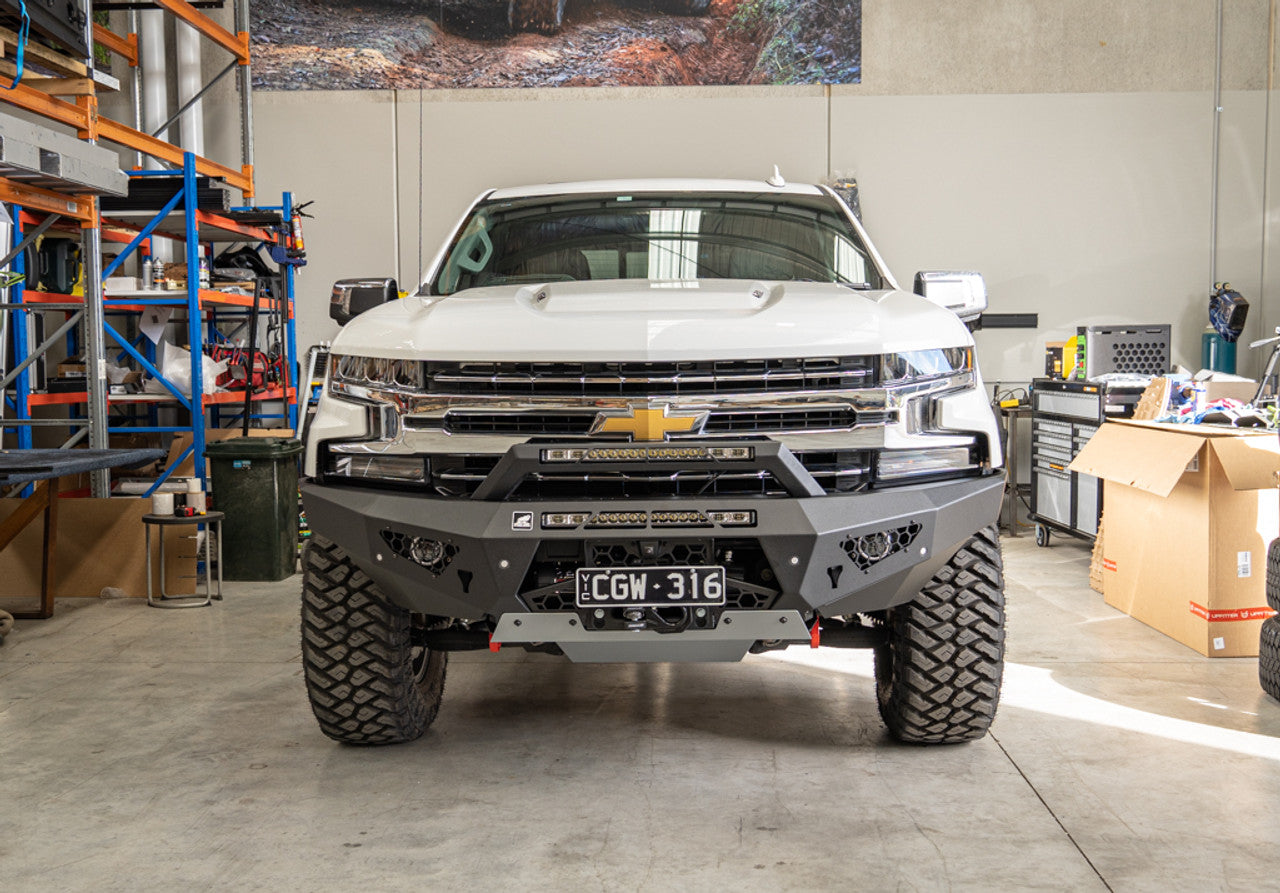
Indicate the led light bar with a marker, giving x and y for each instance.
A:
(647, 454)
(618, 519)
(733, 519)
(680, 519)
(574, 520)
(564, 520)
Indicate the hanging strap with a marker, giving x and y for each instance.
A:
(23, 31)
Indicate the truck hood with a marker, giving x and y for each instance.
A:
(643, 320)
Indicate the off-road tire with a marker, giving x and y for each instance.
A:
(938, 674)
(1269, 657)
(536, 15)
(1273, 575)
(366, 682)
(685, 7)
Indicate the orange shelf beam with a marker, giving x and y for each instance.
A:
(30, 296)
(126, 46)
(43, 104)
(253, 232)
(78, 207)
(238, 396)
(221, 397)
(157, 148)
(53, 399)
(236, 44)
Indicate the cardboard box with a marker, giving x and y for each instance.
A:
(1155, 399)
(1190, 510)
(101, 543)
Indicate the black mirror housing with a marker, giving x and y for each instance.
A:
(351, 297)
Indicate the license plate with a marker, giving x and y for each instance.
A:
(650, 587)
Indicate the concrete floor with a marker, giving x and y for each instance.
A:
(174, 750)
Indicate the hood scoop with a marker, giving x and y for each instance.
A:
(646, 297)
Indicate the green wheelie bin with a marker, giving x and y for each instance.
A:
(255, 484)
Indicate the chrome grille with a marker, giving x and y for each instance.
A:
(553, 423)
(636, 379)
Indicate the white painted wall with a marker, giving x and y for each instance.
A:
(1064, 151)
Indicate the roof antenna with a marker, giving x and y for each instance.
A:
(776, 179)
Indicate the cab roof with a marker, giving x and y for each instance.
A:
(627, 187)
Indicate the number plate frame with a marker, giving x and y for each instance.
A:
(621, 587)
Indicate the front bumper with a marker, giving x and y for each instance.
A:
(809, 543)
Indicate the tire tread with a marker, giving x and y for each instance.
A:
(1269, 657)
(938, 678)
(357, 655)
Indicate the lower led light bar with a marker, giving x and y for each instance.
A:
(595, 520)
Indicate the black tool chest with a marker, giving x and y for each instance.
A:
(1064, 415)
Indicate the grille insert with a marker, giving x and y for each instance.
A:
(637, 379)
(553, 423)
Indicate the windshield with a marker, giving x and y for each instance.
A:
(665, 237)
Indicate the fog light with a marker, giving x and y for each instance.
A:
(874, 546)
(426, 552)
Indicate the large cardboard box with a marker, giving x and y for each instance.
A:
(101, 543)
(1190, 510)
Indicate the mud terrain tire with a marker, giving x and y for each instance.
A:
(1269, 657)
(366, 682)
(685, 7)
(536, 15)
(1273, 575)
(938, 675)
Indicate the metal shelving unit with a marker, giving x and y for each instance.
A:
(205, 311)
(41, 203)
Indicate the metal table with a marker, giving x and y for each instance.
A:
(1013, 491)
(212, 523)
(43, 468)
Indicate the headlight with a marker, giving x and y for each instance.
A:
(375, 373)
(900, 464)
(924, 365)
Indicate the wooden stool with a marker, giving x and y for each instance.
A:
(213, 526)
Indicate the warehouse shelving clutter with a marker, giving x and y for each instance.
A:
(106, 330)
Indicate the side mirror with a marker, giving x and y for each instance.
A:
(964, 294)
(351, 297)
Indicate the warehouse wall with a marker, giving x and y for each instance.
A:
(1063, 150)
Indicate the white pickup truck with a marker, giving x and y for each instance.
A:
(654, 420)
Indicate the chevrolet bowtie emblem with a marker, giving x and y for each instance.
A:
(647, 424)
